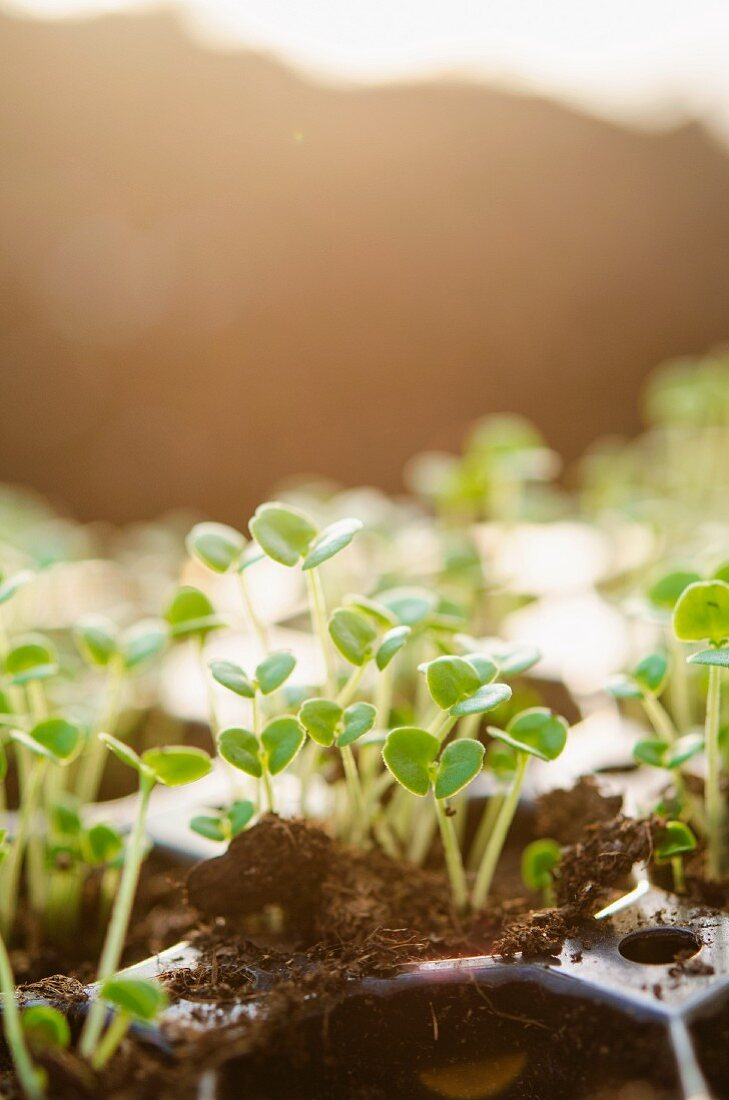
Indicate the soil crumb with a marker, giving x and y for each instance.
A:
(565, 814)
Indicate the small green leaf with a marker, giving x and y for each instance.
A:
(686, 747)
(667, 589)
(376, 610)
(96, 638)
(232, 677)
(281, 739)
(239, 814)
(460, 763)
(136, 997)
(392, 642)
(536, 731)
(54, 738)
(212, 828)
(176, 765)
(353, 634)
(274, 671)
(702, 613)
(3, 762)
(717, 657)
(282, 532)
(676, 839)
(513, 660)
(486, 668)
(330, 541)
(10, 585)
(410, 606)
(102, 845)
(538, 860)
(141, 643)
(65, 816)
(486, 698)
(408, 753)
(33, 659)
(190, 614)
(651, 751)
(123, 752)
(624, 687)
(450, 679)
(45, 1029)
(357, 720)
(240, 748)
(320, 718)
(216, 545)
(651, 673)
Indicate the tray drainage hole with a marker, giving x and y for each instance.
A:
(658, 946)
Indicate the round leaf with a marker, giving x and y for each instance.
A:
(667, 589)
(320, 718)
(330, 541)
(175, 765)
(451, 679)
(408, 753)
(282, 532)
(486, 698)
(513, 660)
(123, 752)
(102, 845)
(190, 613)
(141, 643)
(45, 1028)
(274, 671)
(460, 763)
(686, 747)
(358, 719)
(240, 748)
(651, 751)
(651, 673)
(353, 634)
(239, 814)
(56, 739)
(281, 739)
(538, 860)
(232, 677)
(136, 997)
(216, 545)
(96, 638)
(34, 659)
(702, 613)
(392, 642)
(377, 611)
(675, 840)
(535, 731)
(212, 828)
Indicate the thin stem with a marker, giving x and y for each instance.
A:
(454, 863)
(712, 790)
(14, 859)
(659, 718)
(354, 789)
(680, 697)
(268, 787)
(91, 768)
(485, 875)
(30, 1078)
(679, 879)
(259, 628)
(318, 612)
(442, 725)
(485, 828)
(209, 687)
(121, 912)
(347, 693)
(113, 1036)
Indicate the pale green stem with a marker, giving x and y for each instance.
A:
(309, 762)
(485, 875)
(354, 788)
(209, 687)
(423, 831)
(659, 718)
(713, 797)
(10, 875)
(383, 696)
(259, 628)
(91, 768)
(442, 725)
(121, 912)
(347, 693)
(113, 1036)
(268, 788)
(485, 828)
(680, 697)
(454, 863)
(679, 879)
(31, 1081)
(318, 611)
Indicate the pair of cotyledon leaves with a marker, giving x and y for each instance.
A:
(100, 642)
(702, 614)
(270, 674)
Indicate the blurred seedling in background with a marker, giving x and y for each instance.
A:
(265, 756)
(647, 682)
(539, 861)
(222, 549)
(223, 825)
(675, 841)
(133, 1000)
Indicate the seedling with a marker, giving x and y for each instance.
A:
(173, 766)
(263, 757)
(222, 549)
(535, 732)
(45, 1029)
(675, 842)
(134, 1000)
(702, 614)
(328, 723)
(225, 824)
(539, 861)
(647, 682)
(414, 758)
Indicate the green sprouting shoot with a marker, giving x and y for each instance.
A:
(647, 682)
(45, 1029)
(102, 847)
(539, 861)
(414, 758)
(222, 549)
(191, 616)
(134, 1000)
(702, 615)
(264, 756)
(535, 732)
(675, 841)
(224, 825)
(461, 687)
(173, 766)
(329, 724)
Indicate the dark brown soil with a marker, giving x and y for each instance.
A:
(564, 814)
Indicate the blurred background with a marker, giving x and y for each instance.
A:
(245, 240)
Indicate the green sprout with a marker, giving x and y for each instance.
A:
(222, 549)
(414, 758)
(647, 682)
(538, 863)
(173, 766)
(701, 614)
(535, 732)
(675, 841)
(134, 1000)
(264, 756)
(225, 824)
(45, 1029)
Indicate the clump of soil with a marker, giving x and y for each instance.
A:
(565, 814)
